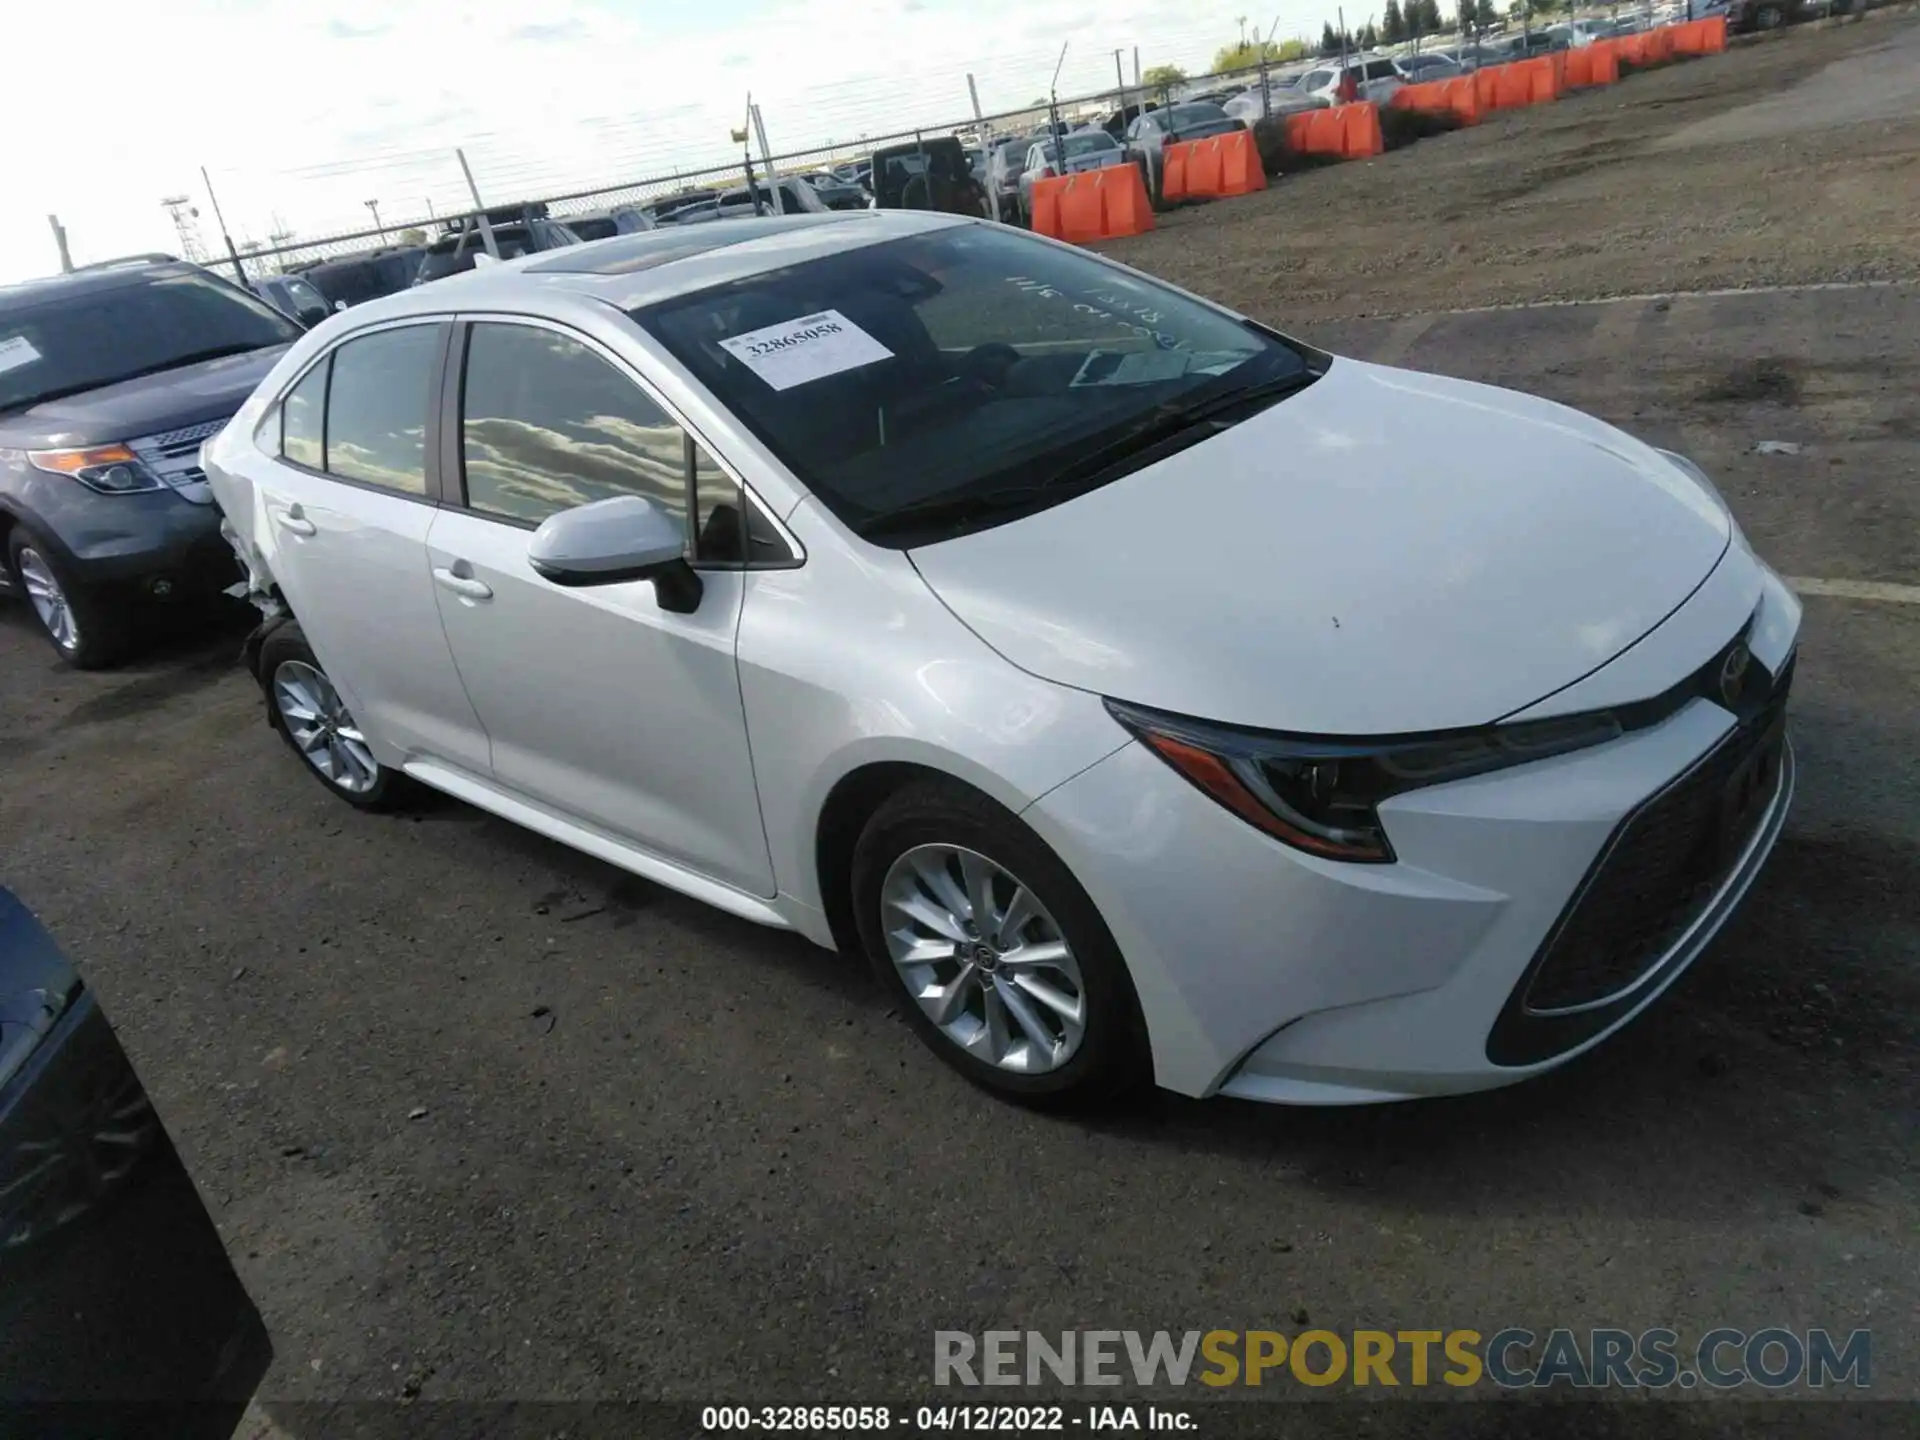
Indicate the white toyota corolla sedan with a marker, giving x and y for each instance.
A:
(1145, 693)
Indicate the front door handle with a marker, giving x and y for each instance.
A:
(293, 520)
(464, 585)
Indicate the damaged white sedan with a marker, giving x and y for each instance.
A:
(1148, 695)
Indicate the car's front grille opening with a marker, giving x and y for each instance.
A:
(1662, 870)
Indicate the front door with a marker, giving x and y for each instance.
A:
(600, 704)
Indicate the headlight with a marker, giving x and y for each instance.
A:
(108, 469)
(1322, 796)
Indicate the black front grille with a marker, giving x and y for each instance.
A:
(1661, 870)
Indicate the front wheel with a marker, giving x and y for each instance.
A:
(89, 629)
(1006, 968)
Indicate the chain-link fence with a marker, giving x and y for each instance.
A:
(257, 261)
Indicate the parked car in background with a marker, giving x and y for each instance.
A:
(1428, 66)
(460, 248)
(695, 214)
(356, 279)
(1004, 166)
(797, 197)
(1532, 44)
(1151, 133)
(603, 224)
(110, 379)
(1283, 97)
(928, 174)
(1070, 155)
(836, 193)
(294, 297)
(1580, 33)
(1747, 16)
(665, 211)
(1372, 77)
(839, 583)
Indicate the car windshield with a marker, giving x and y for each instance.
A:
(954, 366)
(594, 227)
(84, 339)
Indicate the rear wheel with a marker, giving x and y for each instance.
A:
(88, 629)
(313, 719)
(1769, 17)
(1006, 968)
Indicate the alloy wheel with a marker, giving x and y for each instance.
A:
(983, 959)
(320, 726)
(49, 601)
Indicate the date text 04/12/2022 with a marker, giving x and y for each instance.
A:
(942, 1419)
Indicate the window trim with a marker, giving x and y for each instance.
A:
(453, 468)
(430, 443)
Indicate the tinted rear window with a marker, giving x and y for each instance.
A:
(1379, 70)
(90, 338)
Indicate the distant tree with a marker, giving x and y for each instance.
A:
(413, 237)
(1160, 77)
(1330, 42)
(1392, 27)
(1369, 38)
(1246, 56)
(1430, 21)
(1288, 50)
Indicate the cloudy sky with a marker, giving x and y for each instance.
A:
(302, 110)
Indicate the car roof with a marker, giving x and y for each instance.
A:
(30, 294)
(628, 271)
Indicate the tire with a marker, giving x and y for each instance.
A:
(1769, 17)
(332, 751)
(89, 628)
(931, 828)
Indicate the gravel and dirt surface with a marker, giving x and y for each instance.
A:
(482, 1119)
(1786, 162)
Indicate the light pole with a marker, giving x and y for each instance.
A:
(374, 206)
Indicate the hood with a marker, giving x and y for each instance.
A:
(1383, 552)
(169, 400)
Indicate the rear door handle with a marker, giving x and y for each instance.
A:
(464, 585)
(294, 521)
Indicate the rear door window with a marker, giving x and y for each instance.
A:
(303, 418)
(376, 428)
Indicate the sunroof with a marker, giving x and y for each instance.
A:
(627, 254)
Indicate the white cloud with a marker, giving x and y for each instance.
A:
(304, 110)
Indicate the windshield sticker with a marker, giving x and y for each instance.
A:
(1141, 367)
(809, 348)
(15, 351)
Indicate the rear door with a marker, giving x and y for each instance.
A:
(348, 494)
(602, 705)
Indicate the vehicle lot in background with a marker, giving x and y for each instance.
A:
(1150, 133)
(601, 224)
(294, 297)
(356, 279)
(652, 1137)
(465, 243)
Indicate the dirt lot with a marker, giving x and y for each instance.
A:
(668, 1154)
(1676, 179)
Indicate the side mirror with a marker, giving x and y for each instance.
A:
(610, 542)
(338, 306)
(312, 315)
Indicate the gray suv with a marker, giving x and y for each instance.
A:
(110, 380)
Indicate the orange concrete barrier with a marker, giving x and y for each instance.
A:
(1361, 135)
(1079, 209)
(1486, 86)
(1351, 132)
(1241, 172)
(1045, 204)
(1658, 46)
(1591, 65)
(1456, 97)
(1124, 207)
(1205, 169)
(1700, 37)
(1173, 172)
(1092, 205)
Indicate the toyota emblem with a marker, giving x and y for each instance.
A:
(1733, 674)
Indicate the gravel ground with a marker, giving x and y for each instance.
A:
(484, 1120)
(1673, 179)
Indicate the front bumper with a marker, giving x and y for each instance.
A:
(1273, 975)
(154, 544)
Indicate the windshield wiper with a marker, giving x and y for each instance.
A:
(937, 508)
(1193, 422)
(1143, 442)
